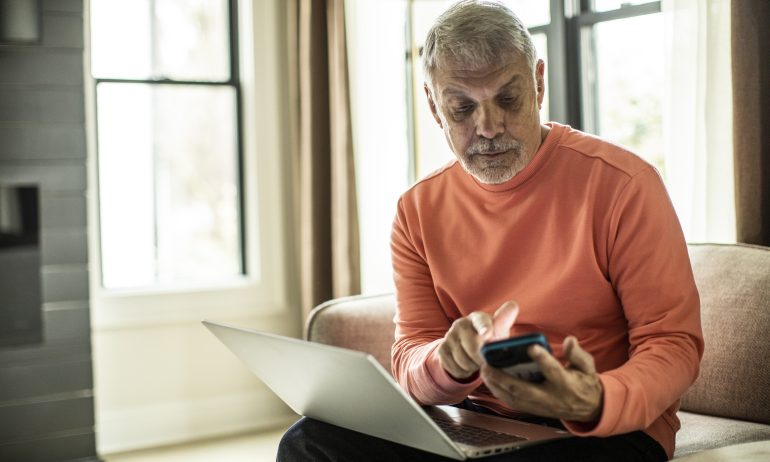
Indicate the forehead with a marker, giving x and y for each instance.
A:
(455, 79)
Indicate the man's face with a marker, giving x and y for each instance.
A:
(490, 117)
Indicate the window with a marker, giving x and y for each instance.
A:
(169, 144)
(189, 210)
(622, 75)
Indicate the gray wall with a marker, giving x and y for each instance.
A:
(46, 390)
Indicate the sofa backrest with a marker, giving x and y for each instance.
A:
(734, 286)
(363, 323)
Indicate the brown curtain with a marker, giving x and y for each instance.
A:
(324, 175)
(751, 118)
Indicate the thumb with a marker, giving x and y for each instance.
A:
(504, 318)
(578, 357)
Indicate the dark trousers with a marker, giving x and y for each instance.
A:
(312, 440)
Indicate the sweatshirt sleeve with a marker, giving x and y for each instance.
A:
(651, 272)
(421, 323)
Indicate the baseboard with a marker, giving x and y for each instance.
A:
(185, 421)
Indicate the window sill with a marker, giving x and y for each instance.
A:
(128, 309)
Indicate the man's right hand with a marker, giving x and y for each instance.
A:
(460, 352)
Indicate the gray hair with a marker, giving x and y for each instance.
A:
(476, 34)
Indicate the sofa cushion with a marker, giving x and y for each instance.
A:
(734, 286)
(363, 323)
(701, 432)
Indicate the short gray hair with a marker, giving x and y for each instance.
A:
(475, 33)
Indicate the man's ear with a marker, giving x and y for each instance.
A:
(540, 82)
(432, 105)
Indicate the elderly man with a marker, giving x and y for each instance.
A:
(578, 231)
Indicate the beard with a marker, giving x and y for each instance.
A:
(494, 161)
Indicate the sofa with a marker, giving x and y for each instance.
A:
(730, 401)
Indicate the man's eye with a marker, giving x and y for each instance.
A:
(463, 109)
(507, 100)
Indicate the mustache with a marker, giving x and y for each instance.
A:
(492, 146)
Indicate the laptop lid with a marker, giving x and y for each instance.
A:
(349, 389)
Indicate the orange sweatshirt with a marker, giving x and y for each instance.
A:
(586, 240)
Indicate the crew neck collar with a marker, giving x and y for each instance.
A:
(543, 153)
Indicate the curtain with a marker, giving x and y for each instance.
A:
(751, 119)
(322, 152)
(697, 118)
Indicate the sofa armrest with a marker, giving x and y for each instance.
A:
(363, 323)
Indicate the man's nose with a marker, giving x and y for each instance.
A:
(490, 121)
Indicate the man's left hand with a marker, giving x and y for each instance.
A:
(570, 393)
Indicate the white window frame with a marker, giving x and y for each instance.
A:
(263, 290)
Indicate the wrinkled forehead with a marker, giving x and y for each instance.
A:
(477, 67)
(456, 78)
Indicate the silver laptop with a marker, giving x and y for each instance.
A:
(351, 389)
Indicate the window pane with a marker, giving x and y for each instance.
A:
(532, 13)
(168, 184)
(606, 5)
(430, 145)
(541, 45)
(175, 39)
(629, 84)
(425, 12)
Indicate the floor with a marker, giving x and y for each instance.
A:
(257, 447)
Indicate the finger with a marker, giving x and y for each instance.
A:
(482, 323)
(549, 366)
(471, 344)
(465, 347)
(579, 358)
(499, 383)
(504, 318)
(517, 394)
(450, 365)
(465, 334)
(464, 361)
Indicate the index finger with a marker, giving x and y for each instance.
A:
(481, 322)
(549, 366)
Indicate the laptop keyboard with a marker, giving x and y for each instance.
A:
(474, 436)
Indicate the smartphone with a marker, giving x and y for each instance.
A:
(511, 356)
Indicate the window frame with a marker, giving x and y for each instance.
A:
(575, 50)
(233, 82)
(263, 288)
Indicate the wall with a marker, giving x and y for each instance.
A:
(46, 397)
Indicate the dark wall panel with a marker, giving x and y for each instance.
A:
(64, 246)
(22, 67)
(45, 417)
(46, 386)
(25, 141)
(76, 445)
(30, 380)
(51, 177)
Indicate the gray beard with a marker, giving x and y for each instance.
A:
(495, 170)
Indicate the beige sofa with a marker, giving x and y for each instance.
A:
(730, 401)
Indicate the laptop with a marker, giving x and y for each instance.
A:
(349, 388)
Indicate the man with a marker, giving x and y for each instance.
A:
(579, 232)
